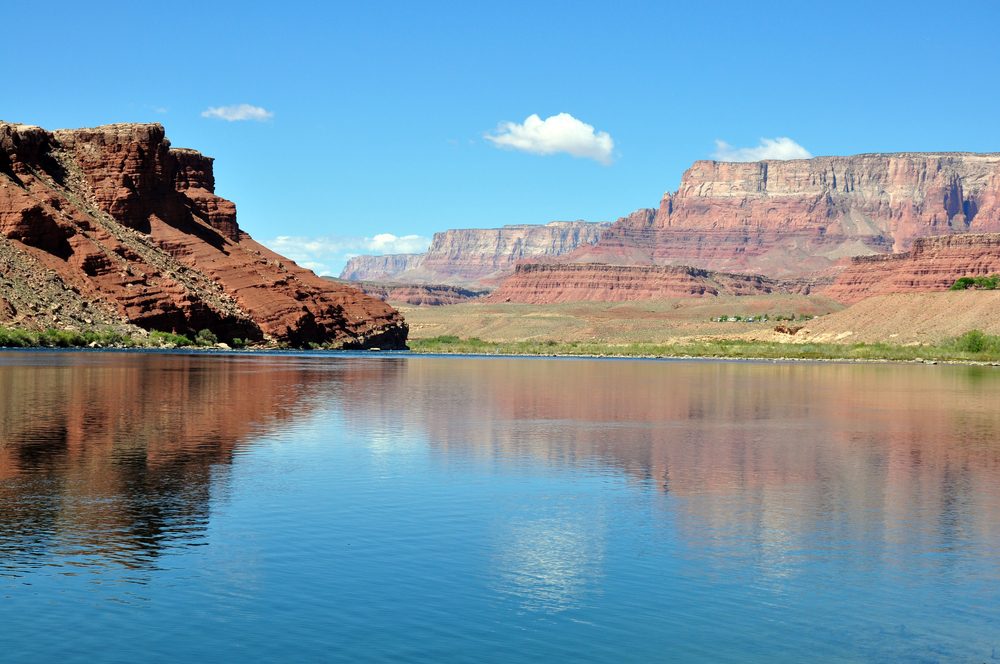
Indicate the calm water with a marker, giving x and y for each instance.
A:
(160, 507)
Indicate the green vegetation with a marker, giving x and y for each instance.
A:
(158, 338)
(205, 338)
(53, 338)
(760, 318)
(972, 346)
(991, 282)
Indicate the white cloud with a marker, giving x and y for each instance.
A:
(768, 148)
(554, 134)
(327, 255)
(387, 243)
(237, 112)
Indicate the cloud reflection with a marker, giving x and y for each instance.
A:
(549, 563)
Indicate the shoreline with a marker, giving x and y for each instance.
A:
(708, 358)
(972, 348)
(356, 353)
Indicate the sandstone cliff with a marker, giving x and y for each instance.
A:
(933, 264)
(573, 282)
(421, 295)
(476, 256)
(118, 226)
(792, 218)
(378, 268)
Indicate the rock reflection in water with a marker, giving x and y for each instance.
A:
(111, 458)
(778, 461)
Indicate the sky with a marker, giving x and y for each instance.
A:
(349, 128)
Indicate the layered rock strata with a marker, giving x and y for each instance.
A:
(800, 217)
(420, 295)
(548, 283)
(378, 268)
(133, 229)
(933, 264)
(476, 257)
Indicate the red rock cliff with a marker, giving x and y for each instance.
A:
(476, 256)
(791, 218)
(129, 227)
(547, 283)
(933, 264)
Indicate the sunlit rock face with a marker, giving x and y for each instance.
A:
(130, 227)
(476, 256)
(806, 216)
(932, 264)
(548, 283)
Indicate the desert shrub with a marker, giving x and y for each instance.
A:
(14, 338)
(205, 338)
(165, 338)
(976, 341)
(238, 343)
(60, 338)
(990, 282)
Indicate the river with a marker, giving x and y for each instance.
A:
(363, 507)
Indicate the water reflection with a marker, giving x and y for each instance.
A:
(775, 465)
(111, 458)
(664, 504)
(549, 563)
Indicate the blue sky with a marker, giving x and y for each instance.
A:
(372, 121)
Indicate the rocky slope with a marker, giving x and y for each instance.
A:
(476, 256)
(546, 283)
(113, 225)
(792, 218)
(933, 264)
(904, 318)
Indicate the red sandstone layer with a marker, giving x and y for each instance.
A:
(800, 217)
(933, 264)
(131, 227)
(547, 283)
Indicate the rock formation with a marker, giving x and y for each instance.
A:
(477, 256)
(113, 220)
(421, 295)
(933, 264)
(546, 283)
(799, 217)
(379, 268)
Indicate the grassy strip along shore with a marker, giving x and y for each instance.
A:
(53, 338)
(973, 346)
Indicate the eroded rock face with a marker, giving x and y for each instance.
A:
(420, 295)
(478, 257)
(131, 226)
(798, 217)
(933, 264)
(379, 268)
(548, 283)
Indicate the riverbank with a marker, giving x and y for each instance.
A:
(972, 347)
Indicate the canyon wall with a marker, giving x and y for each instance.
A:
(113, 225)
(548, 283)
(800, 217)
(932, 264)
(379, 268)
(421, 295)
(476, 256)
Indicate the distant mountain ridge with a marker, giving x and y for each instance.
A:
(808, 216)
(476, 256)
(795, 220)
